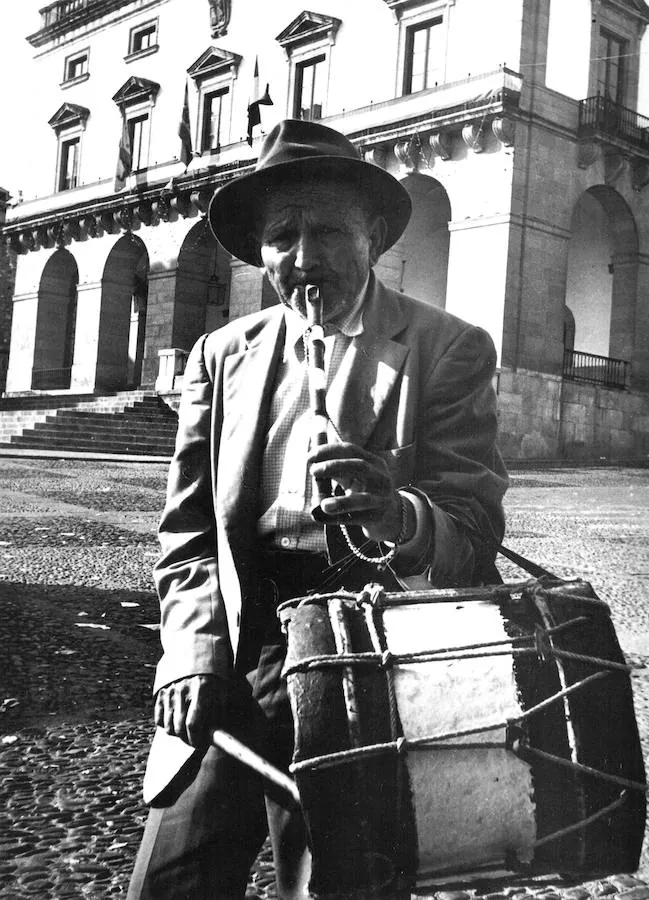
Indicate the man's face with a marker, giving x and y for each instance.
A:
(318, 233)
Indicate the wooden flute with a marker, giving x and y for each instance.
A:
(317, 388)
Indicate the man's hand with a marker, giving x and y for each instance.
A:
(370, 499)
(190, 707)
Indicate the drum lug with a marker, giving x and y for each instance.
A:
(514, 736)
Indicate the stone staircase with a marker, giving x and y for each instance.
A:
(131, 423)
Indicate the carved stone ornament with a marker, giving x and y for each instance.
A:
(615, 165)
(504, 131)
(377, 156)
(639, 174)
(405, 156)
(87, 227)
(587, 154)
(474, 137)
(220, 12)
(440, 144)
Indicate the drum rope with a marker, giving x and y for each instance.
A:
(583, 823)
(585, 770)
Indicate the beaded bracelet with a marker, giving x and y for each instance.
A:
(381, 561)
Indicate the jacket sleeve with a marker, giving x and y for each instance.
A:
(194, 631)
(459, 473)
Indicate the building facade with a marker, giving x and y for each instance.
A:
(523, 146)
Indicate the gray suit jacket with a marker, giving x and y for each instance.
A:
(414, 388)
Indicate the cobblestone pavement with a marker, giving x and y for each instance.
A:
(78, 645)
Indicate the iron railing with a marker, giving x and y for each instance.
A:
(599, 114)
(60, 10)
(51, 379)
(592, 369)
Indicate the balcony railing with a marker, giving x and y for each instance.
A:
(60, 10)
(589, 368)
(51, 379)
(599, 114)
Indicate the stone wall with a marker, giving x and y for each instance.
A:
(7, 281)
(545, 418)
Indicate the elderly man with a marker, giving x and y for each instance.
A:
(417, 480)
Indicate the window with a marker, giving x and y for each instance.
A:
(69, 164)
(76, 67)
(68, 122)
(214, 74)
(215, 117)
(424, 56)
(307, 41)
(611, 74)
(138, 132)
(143, 40)
(309, 89)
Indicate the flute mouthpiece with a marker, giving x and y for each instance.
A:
(312, 293)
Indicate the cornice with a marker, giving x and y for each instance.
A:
(68, 114)
(135, 89)
(88, 13)
(214, 61)
(306, 27)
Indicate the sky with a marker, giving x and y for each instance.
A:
(16, 89)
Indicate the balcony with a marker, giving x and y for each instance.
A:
(61, 10)
(59, 17)
(588, 368)
(601, 117)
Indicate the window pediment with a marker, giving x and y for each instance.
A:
(136, 90)
(214, 62)
(67, 115)
(398, 7)
(308, 26)
(639, 7)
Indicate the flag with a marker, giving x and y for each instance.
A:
(254, 113)
(124, 157)
(185, 132)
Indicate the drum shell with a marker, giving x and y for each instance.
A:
(364, 814)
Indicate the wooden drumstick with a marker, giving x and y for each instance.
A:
(234, 748)
(317, 388)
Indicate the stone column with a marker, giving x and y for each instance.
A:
(249, 290)
(86, 338)
(23, 339)
(160, 318)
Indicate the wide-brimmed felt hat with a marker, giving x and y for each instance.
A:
(296, 150)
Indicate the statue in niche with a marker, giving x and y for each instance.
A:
(220, 11)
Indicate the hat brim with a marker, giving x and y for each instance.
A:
(234, 207)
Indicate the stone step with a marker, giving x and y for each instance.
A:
(101, 432)
(153, 447)
(69, 419)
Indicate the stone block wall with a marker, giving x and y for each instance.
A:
(544, 418)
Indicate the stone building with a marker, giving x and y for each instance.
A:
(515, 125)
(7, 278)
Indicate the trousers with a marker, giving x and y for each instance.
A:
(204, 832)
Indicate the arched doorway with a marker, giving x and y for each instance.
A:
(202, 286)
(56, 323)
(602, 274)
(122, 323)
(418, 262)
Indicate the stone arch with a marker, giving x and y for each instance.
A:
(55, 323)
(202, 301)
(418, 262)
(602, 275)
(122, 320)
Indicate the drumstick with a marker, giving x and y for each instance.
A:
(234, 748)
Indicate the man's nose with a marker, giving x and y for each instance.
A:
(307, 252)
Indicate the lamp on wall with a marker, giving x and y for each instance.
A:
(215, 287)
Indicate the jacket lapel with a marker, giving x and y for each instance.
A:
(370, 368)
(248, 379)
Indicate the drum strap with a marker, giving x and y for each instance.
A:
(533, 568)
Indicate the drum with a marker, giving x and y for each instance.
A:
(450, 734)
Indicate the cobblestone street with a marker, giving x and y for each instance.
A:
(79, 643)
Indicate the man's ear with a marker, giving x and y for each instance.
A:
(378, 232)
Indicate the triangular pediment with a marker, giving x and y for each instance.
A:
(637, 6)
(69, 114)
(136, 89)
(214, 61)
(308, 26)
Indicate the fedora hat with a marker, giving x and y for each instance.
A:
(292, 151)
